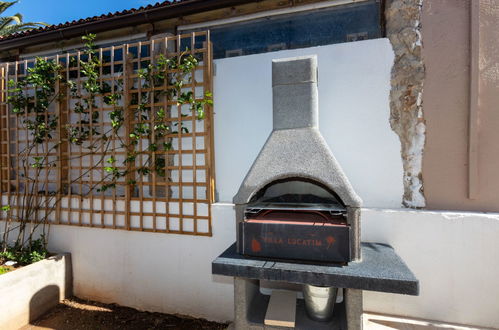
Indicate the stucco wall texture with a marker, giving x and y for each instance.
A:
(446, 26)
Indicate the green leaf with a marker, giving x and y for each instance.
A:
(153, 147)
(167, 146)
(161, 113)
(109, 169)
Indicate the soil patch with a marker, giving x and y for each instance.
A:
(76, 314)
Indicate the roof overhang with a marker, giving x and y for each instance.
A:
(171, 10)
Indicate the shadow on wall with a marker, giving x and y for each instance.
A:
(42, 301)
(30, 291)
(49, 296)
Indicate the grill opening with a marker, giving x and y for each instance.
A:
(297, 219)
(296, 190)
(296, 200)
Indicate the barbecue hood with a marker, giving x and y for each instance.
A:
(295, 148)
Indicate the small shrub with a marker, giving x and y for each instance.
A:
(26, 255)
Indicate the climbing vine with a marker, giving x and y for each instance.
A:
(31, 99)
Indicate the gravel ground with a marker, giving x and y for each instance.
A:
(76, 314)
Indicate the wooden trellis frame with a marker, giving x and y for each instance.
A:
(178, 203)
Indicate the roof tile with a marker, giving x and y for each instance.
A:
(166, 3)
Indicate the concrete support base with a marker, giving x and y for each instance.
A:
(250, 307)
(354, 308)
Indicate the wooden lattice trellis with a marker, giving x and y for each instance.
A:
(178, 202)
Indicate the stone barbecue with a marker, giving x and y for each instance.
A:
(296, 202)
(298, 223)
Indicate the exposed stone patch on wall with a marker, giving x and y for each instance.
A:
(487, 62)
(403, 28)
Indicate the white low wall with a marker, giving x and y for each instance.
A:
(454, 255)
(29, 292)
(148, 271)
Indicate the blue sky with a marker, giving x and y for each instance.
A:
(59, 11)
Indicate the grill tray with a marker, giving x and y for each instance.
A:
(301, 231)
(297, 213)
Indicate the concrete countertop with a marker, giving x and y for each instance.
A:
(380, 269)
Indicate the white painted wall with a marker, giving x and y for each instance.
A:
(354, 85)
(454, 255)
(149, 271)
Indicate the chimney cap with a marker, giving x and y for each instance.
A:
(295, 96)
(294, 70)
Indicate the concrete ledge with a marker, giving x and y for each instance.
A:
(373, 321)
(380, 269)
(29, 292)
